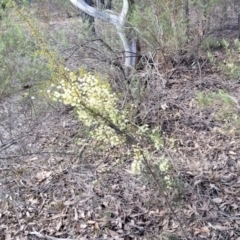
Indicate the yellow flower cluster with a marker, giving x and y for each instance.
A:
(137, 159)
(94, 103)
(164, 167)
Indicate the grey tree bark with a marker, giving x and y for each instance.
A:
(130, 44)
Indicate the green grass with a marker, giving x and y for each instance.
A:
(224, 109)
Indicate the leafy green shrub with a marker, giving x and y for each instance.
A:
(53, 10)
(173, 24)
(20, 66)
(211, 44)
(166, 25)
(230, 66)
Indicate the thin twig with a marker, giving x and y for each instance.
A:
(35, 153)
(200, 71)
(47, 237)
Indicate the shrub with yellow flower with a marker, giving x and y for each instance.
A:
(95, 105)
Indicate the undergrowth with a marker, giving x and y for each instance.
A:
(96, 106)
(34, 64)
(20, 67)
(225, 109)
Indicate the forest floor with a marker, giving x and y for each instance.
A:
(51, 187)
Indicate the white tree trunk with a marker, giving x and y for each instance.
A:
(130, 47)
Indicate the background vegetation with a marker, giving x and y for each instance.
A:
(90, 150)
